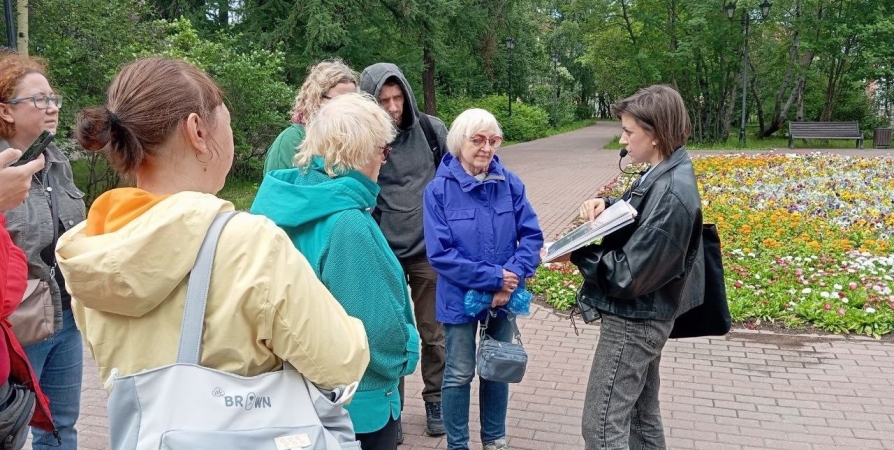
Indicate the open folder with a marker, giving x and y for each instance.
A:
(616, 216)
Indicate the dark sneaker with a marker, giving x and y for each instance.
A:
(400, 433)
(434, 423)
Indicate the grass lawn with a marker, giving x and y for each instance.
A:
(807, 240)
(561, 129)
(240, 192)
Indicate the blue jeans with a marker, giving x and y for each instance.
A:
(621, 409)
(58, 363)
(493, 397)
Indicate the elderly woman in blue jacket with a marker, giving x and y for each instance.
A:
(481, 233)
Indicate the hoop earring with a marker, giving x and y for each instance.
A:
(204, 162)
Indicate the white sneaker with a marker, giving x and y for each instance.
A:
(499, 444)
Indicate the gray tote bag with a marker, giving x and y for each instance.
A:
(184, 406)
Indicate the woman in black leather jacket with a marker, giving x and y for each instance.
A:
(643, 276)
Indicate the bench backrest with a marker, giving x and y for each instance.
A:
(825, 130)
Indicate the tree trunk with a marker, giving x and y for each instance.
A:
(778, 115)
(223, 12)
(428, 80)
(628, 26)
(799, 117)
(22, 39)
(758, 103)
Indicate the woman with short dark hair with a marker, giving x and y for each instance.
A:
(641, 277)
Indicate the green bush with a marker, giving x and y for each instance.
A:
(258, 98)
(85, 43)
(527, 122)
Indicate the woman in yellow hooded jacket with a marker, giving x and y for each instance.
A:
(165, 125)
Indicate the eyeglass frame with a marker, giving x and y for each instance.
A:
(55, 98)
(495, 141)
(386, 150)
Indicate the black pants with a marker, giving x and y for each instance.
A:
(384, 439)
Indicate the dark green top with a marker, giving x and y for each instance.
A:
(282, 151)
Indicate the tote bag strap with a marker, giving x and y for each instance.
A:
(197, 293)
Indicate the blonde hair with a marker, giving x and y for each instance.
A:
(320, 78)
(347, 133)
(466, 124)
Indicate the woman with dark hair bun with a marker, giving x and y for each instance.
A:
(165, 126)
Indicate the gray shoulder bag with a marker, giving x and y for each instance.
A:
(500, 361)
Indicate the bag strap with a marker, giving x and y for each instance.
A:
(492, 312)
(50, 190)
(431, 137)
(197, 293)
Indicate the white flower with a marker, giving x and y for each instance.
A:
(792, 291)
(870, 310)
(838, 286)
(757, 275)
(824, 294)
(806, 291)
(752, 255)
(844, 300)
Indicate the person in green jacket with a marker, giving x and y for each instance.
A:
(324, 81)
(325, 205)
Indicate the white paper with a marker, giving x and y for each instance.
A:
(616, 216)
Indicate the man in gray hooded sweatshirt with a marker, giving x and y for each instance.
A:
(411, 165)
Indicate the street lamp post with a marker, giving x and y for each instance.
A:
(510, 45)
(10, 25)
(555, 58)
(730, 9)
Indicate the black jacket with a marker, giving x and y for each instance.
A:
(654, 267)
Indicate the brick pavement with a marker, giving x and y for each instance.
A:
(747, 390)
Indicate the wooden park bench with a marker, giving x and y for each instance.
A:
(824, 130)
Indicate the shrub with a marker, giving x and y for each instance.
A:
(258, 98)
(527, 122)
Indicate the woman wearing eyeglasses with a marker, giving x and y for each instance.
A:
(28, 106)
(324, 81)
(481, 233)
(325, 205)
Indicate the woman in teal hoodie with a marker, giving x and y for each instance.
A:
(325, 206)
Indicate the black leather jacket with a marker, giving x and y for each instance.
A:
(654, 267)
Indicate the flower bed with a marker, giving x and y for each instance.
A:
(807, 240)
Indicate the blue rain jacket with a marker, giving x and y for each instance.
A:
(475, 229)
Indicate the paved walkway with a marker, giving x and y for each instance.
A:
(747, 390)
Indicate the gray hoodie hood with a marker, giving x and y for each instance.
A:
(374, 76)
(408, 170)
